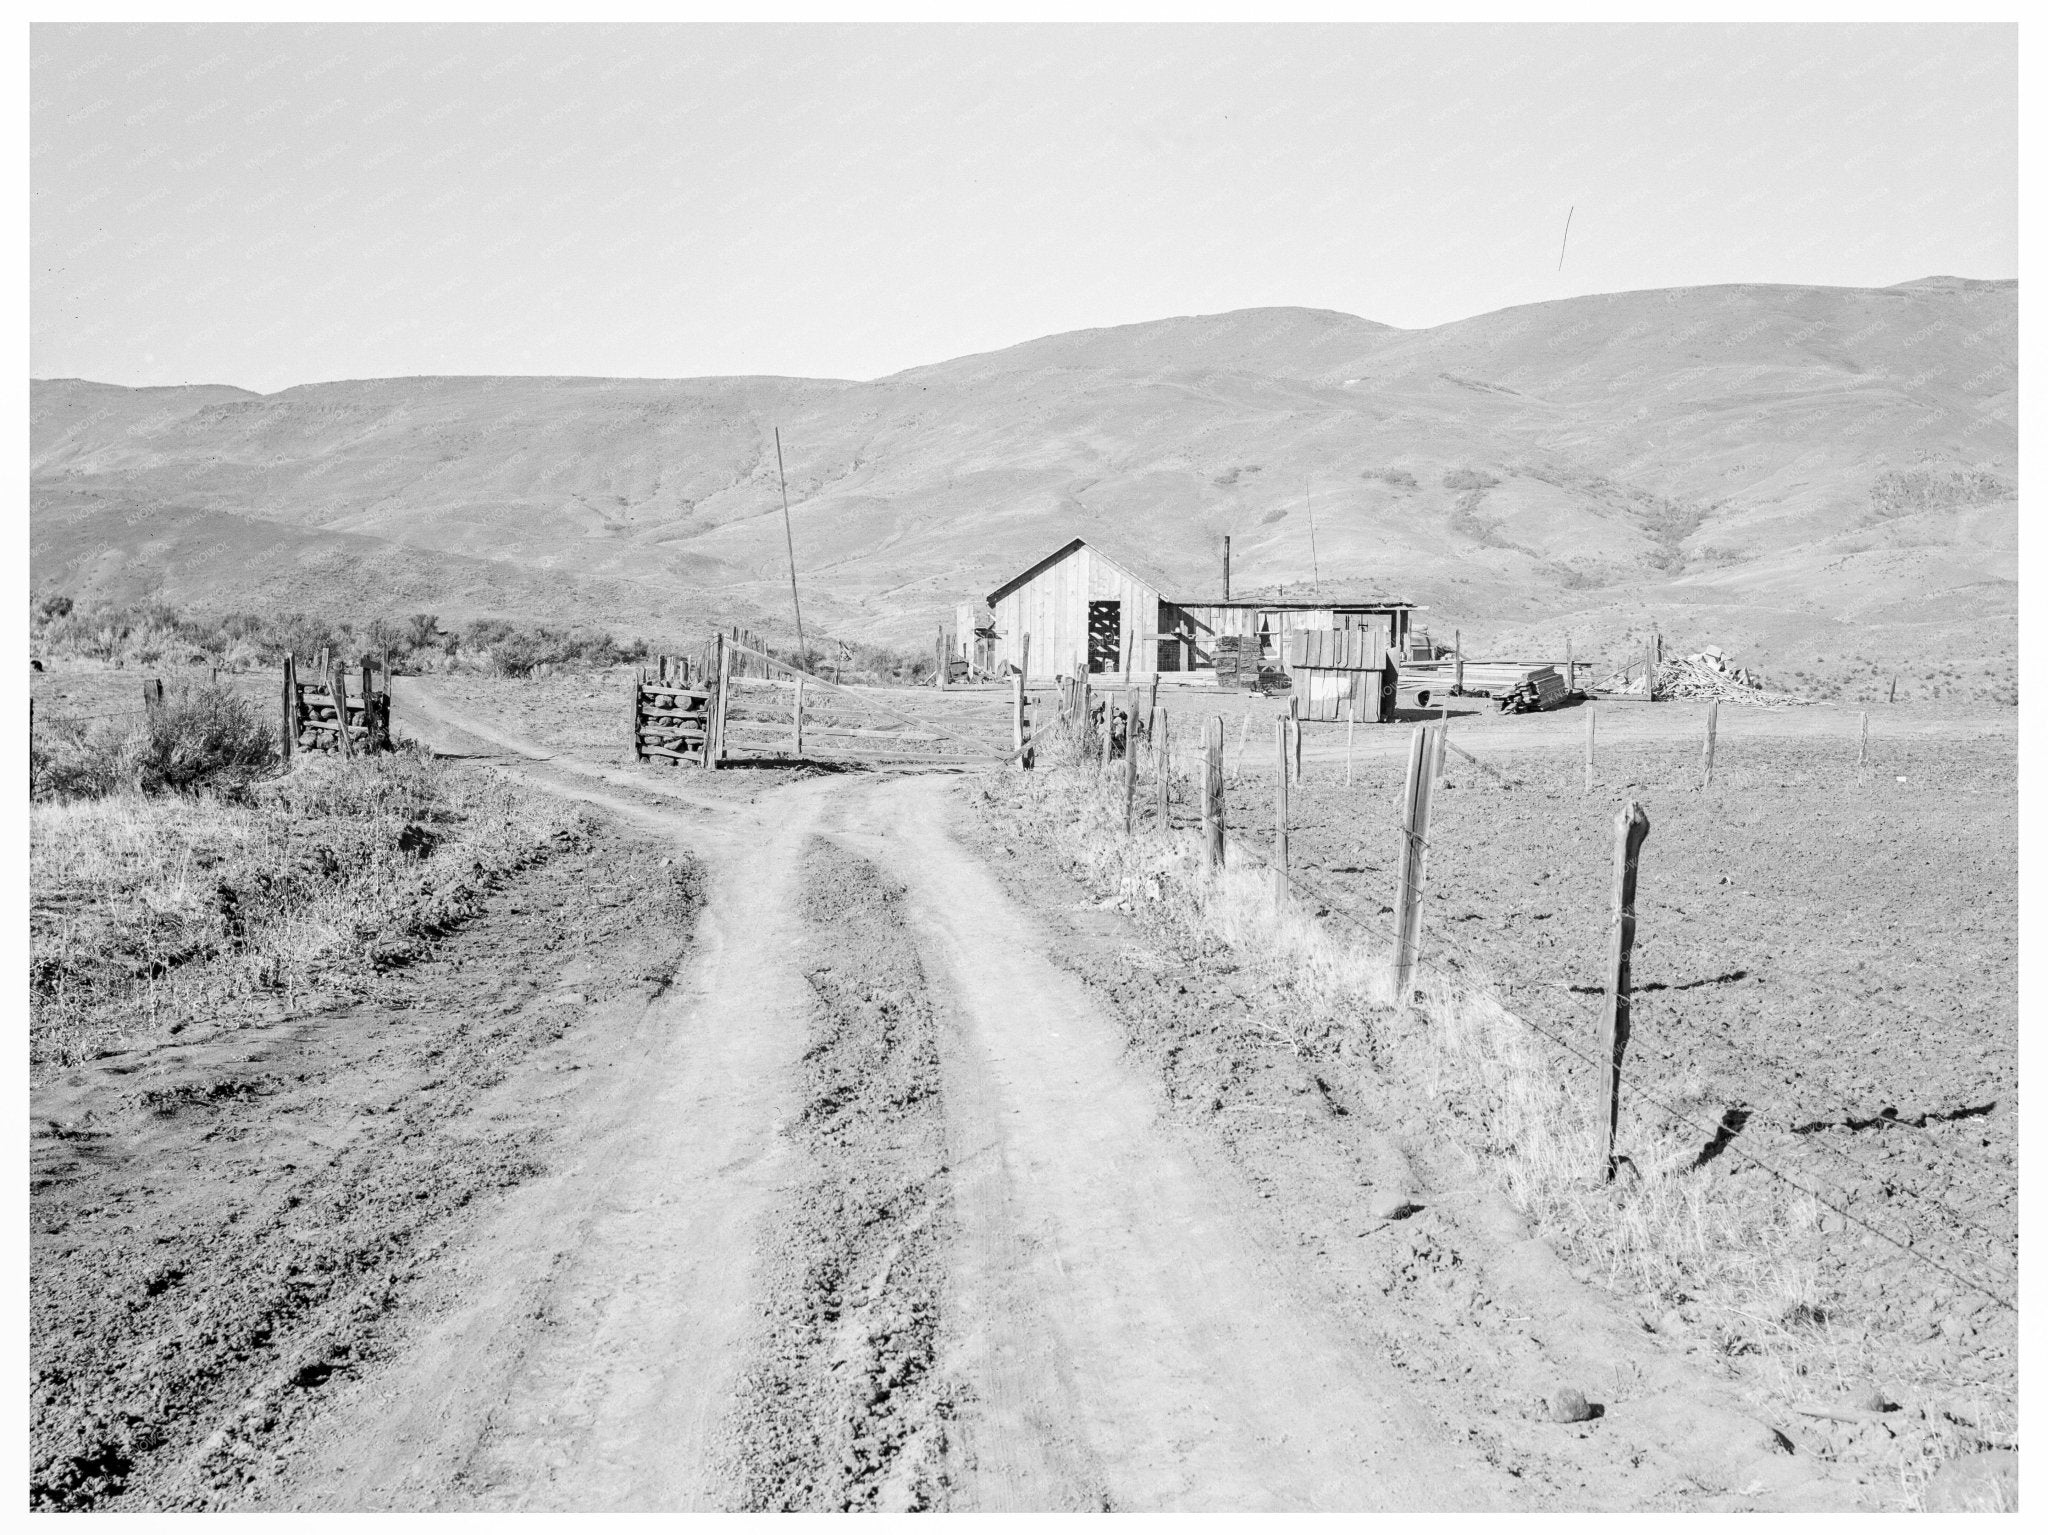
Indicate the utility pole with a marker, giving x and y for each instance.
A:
(1314, 569)
(1226, 567)
(803, 653)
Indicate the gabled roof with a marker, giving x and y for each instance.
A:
(1146, 574)
(1137, 570)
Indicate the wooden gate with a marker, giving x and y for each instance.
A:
(754, 708)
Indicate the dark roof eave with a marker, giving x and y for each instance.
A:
(1377, 604)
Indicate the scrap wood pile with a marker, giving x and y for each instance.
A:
(1705, 674)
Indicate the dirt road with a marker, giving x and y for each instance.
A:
(899, 1189)
(1115, 1328)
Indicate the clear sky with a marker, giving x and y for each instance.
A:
(267, 206)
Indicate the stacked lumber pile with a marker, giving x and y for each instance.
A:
(1705, 674)
(1537, 687)
(1518, 686)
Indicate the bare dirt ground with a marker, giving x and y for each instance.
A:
(854, 1158)
(225, 1234)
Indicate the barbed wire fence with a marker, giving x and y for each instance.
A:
(1451, 964)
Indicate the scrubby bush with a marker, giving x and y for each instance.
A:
(1470, 479)
(1930, 488)
(1400, 479)
(202, 736)
(153, 632)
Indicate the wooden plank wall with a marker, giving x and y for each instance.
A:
(1052, 608)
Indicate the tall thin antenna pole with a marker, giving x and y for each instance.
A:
(802, 651)
(1567, 235)
(1314, 570)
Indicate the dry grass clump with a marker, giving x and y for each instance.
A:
(203, 735)
(149, 915)
(1670, 1234)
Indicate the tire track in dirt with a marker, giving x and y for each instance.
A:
(1121, 1337)
(596, 1327)
(843, 1408)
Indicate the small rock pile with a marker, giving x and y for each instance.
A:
(1706, 674)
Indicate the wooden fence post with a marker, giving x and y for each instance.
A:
(1151, 705)
(945, 661)
(1017, 719)
(1215, 771)
(1707, 750)
(1414, 835)
(1130, 760)
(1350, 735)
(288, 737)
(1892, 697)
(1631, 826)
(1294, 730)
(1162, 768)
(337, 689)
(1282, 728)
(714, 745)
(1590, 727)
(1212, 792)
(1571, 667)
(1108, 714)
(1458, 661)
(1863, 743)
(639, 680)
(796, 724)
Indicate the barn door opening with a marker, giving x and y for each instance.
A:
(1105, 636)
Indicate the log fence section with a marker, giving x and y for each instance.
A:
(321, 716)
(671, 720)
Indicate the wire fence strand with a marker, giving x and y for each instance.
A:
(1377, 926)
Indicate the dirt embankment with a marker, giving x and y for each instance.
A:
(223, 1232)
(843, 1408)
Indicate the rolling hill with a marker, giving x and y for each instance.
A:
(1796, 473)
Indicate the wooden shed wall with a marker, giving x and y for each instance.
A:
(1052, 607)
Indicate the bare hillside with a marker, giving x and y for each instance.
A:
(1785, 469)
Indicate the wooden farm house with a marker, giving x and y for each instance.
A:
(1081, 611)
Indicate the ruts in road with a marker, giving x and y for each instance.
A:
(879, 1213)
